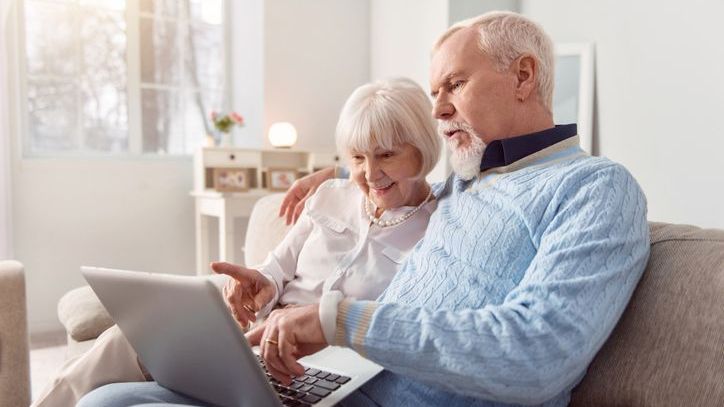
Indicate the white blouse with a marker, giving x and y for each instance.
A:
(333, 246)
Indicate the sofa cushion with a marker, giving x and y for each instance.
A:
(668, 347)
(82, 314)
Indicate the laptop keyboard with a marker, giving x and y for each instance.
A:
(306, 390)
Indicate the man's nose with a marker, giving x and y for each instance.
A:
(442, 109)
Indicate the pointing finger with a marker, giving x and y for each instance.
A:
(237, 273)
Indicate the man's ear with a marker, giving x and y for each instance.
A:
(526, 73)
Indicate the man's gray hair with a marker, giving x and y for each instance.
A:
(505, 36)
(389, 113)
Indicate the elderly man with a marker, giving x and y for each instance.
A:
(527, 264)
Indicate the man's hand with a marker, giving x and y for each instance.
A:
(287, 335)
(246, 292)
(300, 191)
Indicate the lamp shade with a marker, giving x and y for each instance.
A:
(282, 134)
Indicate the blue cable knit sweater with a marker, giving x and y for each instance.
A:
(521, 276)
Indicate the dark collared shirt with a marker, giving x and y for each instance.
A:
(505, 152)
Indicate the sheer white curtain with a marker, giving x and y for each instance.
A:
(6, 36)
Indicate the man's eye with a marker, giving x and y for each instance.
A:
(457, 85)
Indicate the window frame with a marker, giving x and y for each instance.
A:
(134, 86)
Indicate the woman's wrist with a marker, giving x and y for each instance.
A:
(267, 308)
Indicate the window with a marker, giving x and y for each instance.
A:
(122, 76)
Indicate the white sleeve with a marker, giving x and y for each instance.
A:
(328, 314)
(280, 265)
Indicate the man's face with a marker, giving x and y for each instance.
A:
(470, 96)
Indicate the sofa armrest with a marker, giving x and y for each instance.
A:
(14, 352)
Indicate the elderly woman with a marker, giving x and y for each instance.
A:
(354, 233)
(351, 238)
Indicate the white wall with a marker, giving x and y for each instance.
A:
(464, 9)
(317, 52)
(6, 250)
(134, 214)
(401, 35)
(660, 95)
(246, 66)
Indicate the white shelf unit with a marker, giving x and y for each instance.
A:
(227, 206)
(256, 161)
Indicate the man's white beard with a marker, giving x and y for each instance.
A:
(465, 161)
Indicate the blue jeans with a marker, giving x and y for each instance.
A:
(136, 394)
(148, 394)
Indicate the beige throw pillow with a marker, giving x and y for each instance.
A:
(82, 314)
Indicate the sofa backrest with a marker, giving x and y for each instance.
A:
(265, 229)
(668, 347)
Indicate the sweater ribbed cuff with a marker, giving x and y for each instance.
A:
(353, 321)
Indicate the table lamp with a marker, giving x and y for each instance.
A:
(282, 135)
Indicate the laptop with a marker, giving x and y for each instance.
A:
(189, 342)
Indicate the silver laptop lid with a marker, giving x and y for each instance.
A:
(178, 325)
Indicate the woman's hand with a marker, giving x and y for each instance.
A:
(287, 335)
(300, 191)
(246, 292)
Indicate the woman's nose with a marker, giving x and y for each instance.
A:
(372, 170)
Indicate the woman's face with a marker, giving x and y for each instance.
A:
(389, 177)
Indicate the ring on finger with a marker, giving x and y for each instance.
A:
(248, 308)
(272, 341)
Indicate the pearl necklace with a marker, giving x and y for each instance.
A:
(396, 221)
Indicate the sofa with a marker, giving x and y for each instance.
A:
(668, 347)
(14, 355)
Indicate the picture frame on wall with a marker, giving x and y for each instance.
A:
(232, 179)
(280, 179)
(573, 95)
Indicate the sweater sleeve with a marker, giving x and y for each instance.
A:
(539, 341)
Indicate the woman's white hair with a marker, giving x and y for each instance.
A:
(505, 36)
(389, 113)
